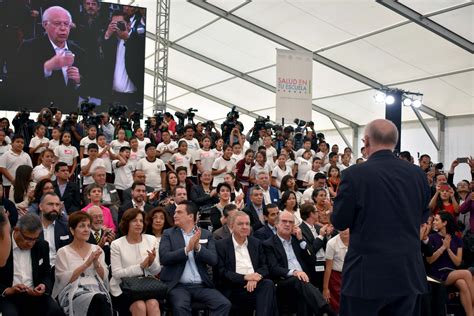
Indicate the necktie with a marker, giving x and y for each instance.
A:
(97, 237)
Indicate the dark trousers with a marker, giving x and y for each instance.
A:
(23, 304)
(262, 299)
(391, 306)
(307, 298)
(99, 306)
(182, 295)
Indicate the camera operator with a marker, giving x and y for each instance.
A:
(154, 127)
(70, 124)
(24, 126)
(255, 137)
(57, 119)
(106, 127)
(170, 123)
(211, 131)
(45, 117)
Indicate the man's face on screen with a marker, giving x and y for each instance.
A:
(91, 7)
(58, 27)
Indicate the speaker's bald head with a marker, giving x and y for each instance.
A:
(382, 132)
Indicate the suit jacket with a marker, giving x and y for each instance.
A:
(173, 259)
(313, 244)
(222, 233)
(40, 268)
(114, 197)
(125, 207)
(274, 196)
(263, 233)
(127, 194)
(277, 259)
(170, 209)
(62, 235)
(106, 248)
(71, 196)
(32, 86)
(375, 199)
(226, 266)
(252, 213)
(134, 61)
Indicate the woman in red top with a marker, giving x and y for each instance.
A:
(334, 178)
(444, 200)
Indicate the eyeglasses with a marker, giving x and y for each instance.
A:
(58, 24)
(28, 239)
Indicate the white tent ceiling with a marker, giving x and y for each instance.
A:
(401, 54)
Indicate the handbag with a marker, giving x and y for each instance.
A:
(143, 288)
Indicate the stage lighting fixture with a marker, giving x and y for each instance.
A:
(379, 97)
(407, 101)
(416, 103)
(389, 99)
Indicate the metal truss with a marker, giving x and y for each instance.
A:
(160, 79)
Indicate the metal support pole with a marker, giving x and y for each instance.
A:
(441, 142)
(427, 128)
(344, 138)
(355, 141)
(160, 81)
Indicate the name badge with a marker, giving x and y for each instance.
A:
(203, 241)
(40, 262)
(65, 237)
(319, 268)
(113, 191)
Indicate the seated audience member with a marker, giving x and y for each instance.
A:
(319, 182)
(448, 257)
(288, 203)
(9, 207)
(280, 170)
(443, 200)
(223, 191)
(11, 160)
(179, 195)
(23, 189)
(167, 193)
(133, 255)
(270, 194)
(81, 272)
(316, 168)
(289, 183)
(334, 178)
(25, 280)
(5, 238)
(138, 176)
(255, 207)
(468, 207)
(110, 197)
(67, 191)
(227, 220)
(335, 253)
(316, 238)
(236, 192)
(95, 197)
(185, 253)
(287, 262)
(203, 194)
(270, 213)
(261, 165)
(138, 200)
(323, 208)
(89, 164)
(55, 230)
(243, 270)
(157, 221)
(153, 167)
(45, 168)
(99, 235)
(243, 168)
(41, 188)
(183, 180)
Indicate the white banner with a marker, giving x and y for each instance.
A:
(294, 85)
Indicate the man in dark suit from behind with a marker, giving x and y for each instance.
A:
(100, 235)
(288, 264)
(67, 191)
(186, 251)
(383, 271)
(227, 220)
(138, 200)
(25, 281)
(270, 213)
(51, 68)
(243, 270)
(254, 207)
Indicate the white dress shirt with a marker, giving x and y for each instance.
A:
(122, 82)
(49, 237)
(243, 263)
(22, 269)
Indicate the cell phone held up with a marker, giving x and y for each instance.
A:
(462, 160)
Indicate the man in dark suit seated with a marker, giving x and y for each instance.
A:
(270, 213)
(287, 260)
(243, 270)
(100, 236)
(186, 251)
(270, 193)
(254, 207)
(138, 176)
(50, 67)
(25, 281)
(67, 191)
(138, 200)
(55, 229)
(179, 195)
(227, 220)
(383, 271)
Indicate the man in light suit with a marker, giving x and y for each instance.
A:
(383, 271)
(25, 281)
(243, 270)
(186, 251)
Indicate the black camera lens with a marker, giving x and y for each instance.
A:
(121, 26)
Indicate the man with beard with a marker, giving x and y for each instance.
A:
(138, 200)
(55, 230)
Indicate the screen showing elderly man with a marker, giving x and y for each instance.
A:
(50, 68)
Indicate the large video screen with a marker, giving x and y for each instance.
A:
(68, 52)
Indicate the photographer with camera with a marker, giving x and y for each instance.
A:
(124, 63)
(24, 126)
(105, 127)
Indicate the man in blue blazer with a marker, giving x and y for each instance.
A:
(243, 270)
(186, 251)
(270, 213)
(383, 201)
